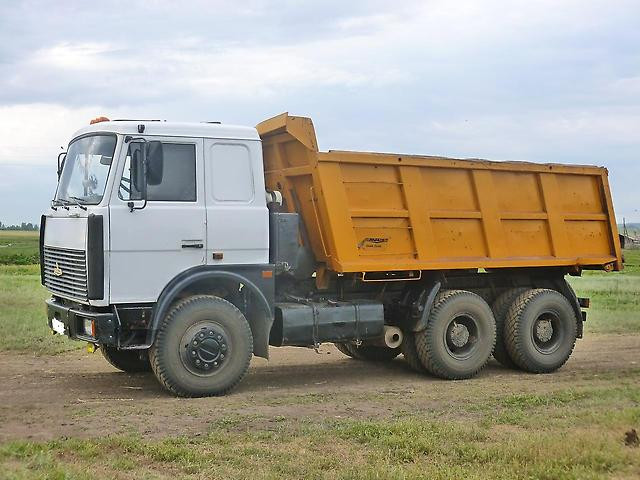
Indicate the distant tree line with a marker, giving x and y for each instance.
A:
(29, 227)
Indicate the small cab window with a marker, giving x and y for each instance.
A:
(178, 178)
(232, 176)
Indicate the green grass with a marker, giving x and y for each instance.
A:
(615, 297)
(23, 318)
(18, 248)
(565, 434)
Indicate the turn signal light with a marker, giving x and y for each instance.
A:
(89, 327)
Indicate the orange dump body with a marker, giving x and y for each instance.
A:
(372, 212)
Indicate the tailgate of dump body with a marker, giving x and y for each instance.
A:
(366, 212)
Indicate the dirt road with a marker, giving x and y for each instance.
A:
(79, 394)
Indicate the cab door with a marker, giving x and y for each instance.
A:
(154, 242)
(237, 214)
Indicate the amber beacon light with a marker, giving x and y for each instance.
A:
(98, 120)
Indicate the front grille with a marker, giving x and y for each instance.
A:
(65, 272)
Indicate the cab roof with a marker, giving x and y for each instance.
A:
(171, 129)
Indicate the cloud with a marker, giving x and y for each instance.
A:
(88, 57)
(542, 81)
(33, 134)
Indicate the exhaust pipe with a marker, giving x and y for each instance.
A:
(392, 336)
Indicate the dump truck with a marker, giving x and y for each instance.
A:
(185, 249)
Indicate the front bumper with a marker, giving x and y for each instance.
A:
(105, 323)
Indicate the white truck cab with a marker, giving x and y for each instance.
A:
(211, 178)
(144, 207)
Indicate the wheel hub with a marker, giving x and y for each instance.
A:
(207, 350)
(544, 330)
(459, 335)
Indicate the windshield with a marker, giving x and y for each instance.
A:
(86, 168)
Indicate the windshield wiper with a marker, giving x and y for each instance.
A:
(65, 202)
(77, 202)
(60, 202)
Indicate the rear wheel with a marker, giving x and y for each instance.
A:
(459, 337)
(540, 330)
(203, 347)
(410, 352)
(500, 307)
(130, 361)
(372, 353)
(344, 349)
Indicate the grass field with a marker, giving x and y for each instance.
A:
(18, 248)
(534, 428)
(472, 429)
(615, 297)
(23, 317)
(562, 435)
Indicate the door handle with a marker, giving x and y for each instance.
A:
(192, 244)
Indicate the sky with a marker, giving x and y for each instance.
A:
(545, 81)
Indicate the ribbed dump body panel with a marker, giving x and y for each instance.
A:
(65, 272)
(374, 212)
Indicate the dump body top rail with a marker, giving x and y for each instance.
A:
(366, 212)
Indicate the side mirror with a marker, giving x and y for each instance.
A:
(155, 163)
(137, 172)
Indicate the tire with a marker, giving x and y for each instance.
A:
(203, 347)
(410, 352)
(372, 353)
(459, 337)
(130, 361)
(540, 331)
(344, 349)
(500, 307)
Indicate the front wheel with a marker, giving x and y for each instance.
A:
(130, 361)
(203, 347)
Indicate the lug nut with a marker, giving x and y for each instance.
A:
(206, 365)
(219, 337)
(195, 342)
(193, 352)
(221, 356)
(201, 335)
(197, 361)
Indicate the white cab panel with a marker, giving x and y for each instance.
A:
(148, 245)
(237, 215)
(66, 232)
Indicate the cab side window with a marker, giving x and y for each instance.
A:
(178, 178)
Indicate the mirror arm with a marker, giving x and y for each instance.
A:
(132, 206)
(61, 164)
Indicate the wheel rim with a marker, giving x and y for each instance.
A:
(205, 348)
(547, 332)
(461, 336)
